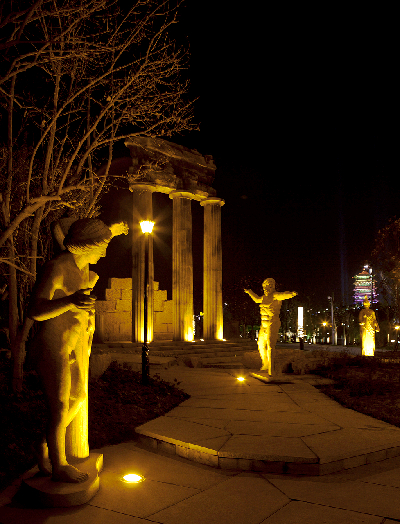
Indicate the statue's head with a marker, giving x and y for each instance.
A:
(268, 285)
(366, 302)
(86, 234)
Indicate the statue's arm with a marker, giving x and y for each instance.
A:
(284, 295)
(119, 228)
(255, 297)
(43, 307)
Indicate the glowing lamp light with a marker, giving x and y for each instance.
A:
(146, 226)
(241, 379)
(132, 478)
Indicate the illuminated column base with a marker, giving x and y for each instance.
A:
(142, 210)
(182, 266)
(213, 328)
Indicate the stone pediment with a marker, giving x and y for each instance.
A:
(170, 167)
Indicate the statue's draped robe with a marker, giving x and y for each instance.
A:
(69, 336)
(370, 325)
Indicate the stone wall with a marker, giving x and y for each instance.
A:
(114, 314)
(289, 360)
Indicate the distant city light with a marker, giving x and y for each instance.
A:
(364, 284)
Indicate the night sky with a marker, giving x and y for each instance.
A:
(300, 111)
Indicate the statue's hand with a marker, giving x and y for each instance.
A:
(82, 300)
(120, 228)
(246, 291)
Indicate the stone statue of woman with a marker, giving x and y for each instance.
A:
(270, 306)
(368, 326)
(63, 304)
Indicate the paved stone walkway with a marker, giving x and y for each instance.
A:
(274, 427)
(290, 422)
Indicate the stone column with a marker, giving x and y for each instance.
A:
(142, 210)
(212, 267)
(182, 266)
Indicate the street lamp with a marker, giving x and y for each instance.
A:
(300, 326)
(334, 341)
(146, 227)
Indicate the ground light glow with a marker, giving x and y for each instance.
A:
(241, 379)
(132, 478)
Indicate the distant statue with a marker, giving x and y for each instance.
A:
(368, 326)
(270, 306)
(63, 304)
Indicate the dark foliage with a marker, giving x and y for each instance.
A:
(369, 385)
(118, 403)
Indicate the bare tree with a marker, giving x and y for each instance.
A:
(76, 77)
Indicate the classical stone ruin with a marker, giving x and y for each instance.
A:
(185, 175)
(114, 314)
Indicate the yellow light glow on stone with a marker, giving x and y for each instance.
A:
(189, 336)
(146, 226)
(132, 478)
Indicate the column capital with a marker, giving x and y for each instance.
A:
(212, 200)
(143, 187)
(183, 194)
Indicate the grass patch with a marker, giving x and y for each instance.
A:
(369, 385)
(118, 403)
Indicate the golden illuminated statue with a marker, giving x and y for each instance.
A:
(270, 306)
(64, 307)
(368, 326)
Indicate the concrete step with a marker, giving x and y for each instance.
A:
(219, 360)
(220, 354)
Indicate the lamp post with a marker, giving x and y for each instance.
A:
(146, 227)
(334, 341)
(300, 326)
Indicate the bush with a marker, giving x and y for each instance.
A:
(370, 385)
(118, 403)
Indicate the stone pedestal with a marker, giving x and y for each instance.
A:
(142, 210)
(182, 266)
(212, 284)
(43, 492)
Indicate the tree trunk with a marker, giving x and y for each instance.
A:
(13, 318)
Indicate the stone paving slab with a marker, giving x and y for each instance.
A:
(350, 442)
(220, 505)
(277, 429)
(183, 432)
(303, 512)
(293, 425)
(177, 491)
(366, 498)
(271, 449)
(80, 515)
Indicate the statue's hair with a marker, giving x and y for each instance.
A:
(269, 281)
(86, 233)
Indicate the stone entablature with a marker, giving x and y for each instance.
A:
(114, 314)
(170, 167)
